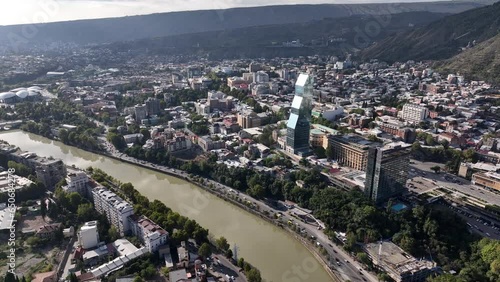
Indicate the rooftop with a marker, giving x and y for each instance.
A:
(394, 259)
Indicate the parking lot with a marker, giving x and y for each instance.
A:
(423, 179)
(475, 222)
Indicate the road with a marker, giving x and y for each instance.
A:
(348, 269)
(222, 267)
(476, 222)
(421, 170)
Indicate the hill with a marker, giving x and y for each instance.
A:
(439, 40)
(481, 62)
(166, 24)
(326, 36)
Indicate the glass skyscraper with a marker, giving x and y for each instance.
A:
(387, 171)
(299, 123)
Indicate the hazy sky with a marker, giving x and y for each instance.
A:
(36, 11)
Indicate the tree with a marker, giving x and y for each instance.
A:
(329, 152)
(43, 208)
(470, 155)
(253, 275)
(117, 140)
(10, 277)
(429, 140)
(33, 241)
(85, 212)
(445, 278)
(257, 191)
(383, 277)
(113, 234)
(229, 254)
(320, 152)
(436, 169)
(222, 244)
(205, 250)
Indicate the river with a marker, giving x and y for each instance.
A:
(274, 252)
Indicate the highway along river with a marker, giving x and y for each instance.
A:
(274, 252)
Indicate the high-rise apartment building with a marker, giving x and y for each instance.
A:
(413, 113)
(115, 208)
(88, 237)
(140, 112)
(387, 171)
(76, 182)
(152, 106)
(299, 123)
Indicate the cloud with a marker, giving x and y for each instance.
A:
(30, 11)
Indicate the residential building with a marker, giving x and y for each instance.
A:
(317, 138)
(208, 144)
(127, 252)
(299, 123)
(397, 128)
(115, 208)
(398, 264)
(152, 106)
(350, 150)
(260, 77)
(7, 216)
(88, 237)
(50, 171)
(413, 113)
(150, 233)
(248, 119)
(76, 182)
(489, 180)
(237, 83)
(254, 67)
(387, 171)
(133, 138)
(178, 143)
(140, 112)
(328, 113)
(48, 231)
(11, 181)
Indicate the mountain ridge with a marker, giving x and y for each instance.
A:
(439, 40)
(165, 24)
(481, 62)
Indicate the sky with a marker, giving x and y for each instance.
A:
(41, 11)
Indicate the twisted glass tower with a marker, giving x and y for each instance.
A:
(299, 123)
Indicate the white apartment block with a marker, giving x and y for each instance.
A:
(150, 233)
(76, 182)
(88, 237)
(413, 113)
(115, 208)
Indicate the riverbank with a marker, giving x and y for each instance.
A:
(310, 247)
(278, 253)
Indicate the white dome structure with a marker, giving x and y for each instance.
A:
(18, 89)
(33, 93)
(7, 95)
(22, 93)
